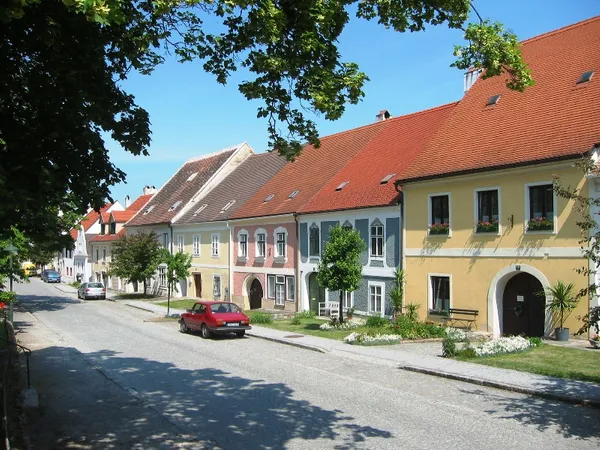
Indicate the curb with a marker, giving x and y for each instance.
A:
(140, 308)
(293, 344)
(504, 386)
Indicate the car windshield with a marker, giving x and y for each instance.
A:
(95, 285)
(224, 308)
(54, 274)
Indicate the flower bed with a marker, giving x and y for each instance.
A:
(502, 345)
(455, 334)
(345, 325)
(372, 339)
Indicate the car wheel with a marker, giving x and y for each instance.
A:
(205, 331)
(183, 326)
(240, 334)
(103, 298)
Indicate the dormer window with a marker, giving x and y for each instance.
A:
(293, 194)
(387, 178)
(269, 197)
(102, 229)
(149, 210)
(199, 210)
(227, 206)
(342, 186)
(585, 77)
(493, 100)
(175, 205)
(192, 176)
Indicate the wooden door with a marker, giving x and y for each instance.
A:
(256, 294)
(198, 284)
(523, 306)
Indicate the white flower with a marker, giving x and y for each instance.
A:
(502, 345)
(346, 325)
(455, 334)
(363, 338)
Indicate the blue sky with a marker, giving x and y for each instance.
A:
(191, 114)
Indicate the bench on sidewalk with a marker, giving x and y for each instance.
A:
(461, 315)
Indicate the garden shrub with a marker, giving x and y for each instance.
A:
(377, 322)
(305, 314)
(449, 349)
(260, 317)
(412, 329)
(295, 320)
(536, 341)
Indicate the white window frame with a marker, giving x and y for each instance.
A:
(180, 243)
(214, 244)
(217, 295)
(430, 289)
(375, 284)
(314, 226)
(196, 245)
(348, 296)
(103, 255)
(377, 223)
(430, 214)
(166, 241)
(270, 286)
(280, 230)
(280, 285)
(527, 208)
(241, 253)
(257, 254)
(162, 276)
(476, 209)
(290, 293)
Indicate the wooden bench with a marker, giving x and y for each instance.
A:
(461, 315)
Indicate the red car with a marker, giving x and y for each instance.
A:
(215, 318)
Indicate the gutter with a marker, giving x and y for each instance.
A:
(297, 264)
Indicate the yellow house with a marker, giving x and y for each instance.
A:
(483, 229)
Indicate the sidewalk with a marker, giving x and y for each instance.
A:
(571, 391)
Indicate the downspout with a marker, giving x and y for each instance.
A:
(297, 264)
(229, 261)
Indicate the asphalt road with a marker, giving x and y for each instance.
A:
(110, 377)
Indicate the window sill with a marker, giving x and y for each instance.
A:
(487, 233)
(377, 257)
(440, 313)
(280, 260)
(242, 259)
(196, 255)
(259, 259)
(214, 256)
(540, 231)
(439, 235)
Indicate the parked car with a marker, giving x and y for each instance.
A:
(91, 290)
(51, 276)
(215, 318)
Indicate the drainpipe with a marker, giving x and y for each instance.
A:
(297, 264)
(230, 260)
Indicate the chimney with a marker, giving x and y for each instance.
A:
(470, 77)
(127, 201)
(149, 190)
(384, 114)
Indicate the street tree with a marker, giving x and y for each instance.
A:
(177, 266)
(340, 268)
(136, 257)
(64, 62)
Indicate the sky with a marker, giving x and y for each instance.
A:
(192, 115)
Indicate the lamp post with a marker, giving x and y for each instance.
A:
(12, 250)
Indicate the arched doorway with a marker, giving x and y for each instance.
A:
(256, 294)
(523, 306)
(316, 293)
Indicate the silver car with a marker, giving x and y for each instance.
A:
(91, 290)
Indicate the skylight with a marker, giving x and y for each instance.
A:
(493, 100)
(199, 210)
(269, 197)
(150, 208)
(228, 205)
(192, 176)
(585, 77)
(175, 205)
(387, 178)
(341, 186)
(293, 194)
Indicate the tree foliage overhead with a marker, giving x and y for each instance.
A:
(135, 257)
(63, 61)
(339, 268)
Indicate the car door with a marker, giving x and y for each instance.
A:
(194, 318)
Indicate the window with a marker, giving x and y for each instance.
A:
(376, 293)
(487, 211)
(279, 289)
(175, 205)
(214, 245)
(196, 245)
(348, 298)
(202, 208)
(261, 244)
(377, 239)
(150, 208)
(113, 228)
(271, 286)
(102, 229)
(217, 286)
(97, 255)
(192, 176)
(243, 250)
(439, 214)
(280, 244)
(103, 254)
(166, 240)
(440, 293)
(291, 289)
(162, 276)
(314, 241)
(180, 243)
(227, 206)
(541, 208)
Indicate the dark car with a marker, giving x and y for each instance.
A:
(215, 318)
(51, 276)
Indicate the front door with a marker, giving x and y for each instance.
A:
(316, 293)
(198, 284)
(523, 305)
(256, 294)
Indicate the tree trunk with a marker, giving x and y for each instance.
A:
(341, 306)
(168, 297)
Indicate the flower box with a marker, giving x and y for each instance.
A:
(541, 224)
(439, 229)
(487, 226)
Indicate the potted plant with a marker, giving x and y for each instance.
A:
(350, 313)
(439, 228)
(595, 341)
(563, 302)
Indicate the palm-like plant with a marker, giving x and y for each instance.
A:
(564, 299)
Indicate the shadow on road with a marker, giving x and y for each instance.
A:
(210, 404)
(571, 421)
(35, 303)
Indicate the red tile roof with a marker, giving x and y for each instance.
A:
(309, 173)
(122, 216)
(180, 189)
(390, 152)
(555, 119)
(89, 220)
(139, 202)
(108, 237)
